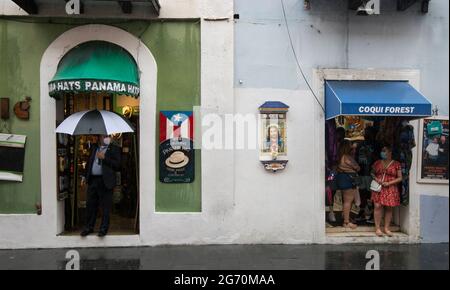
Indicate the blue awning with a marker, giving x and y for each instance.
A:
(375, 98)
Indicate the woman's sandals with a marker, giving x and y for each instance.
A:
(349, 226)
(379, 233)
(388, 233)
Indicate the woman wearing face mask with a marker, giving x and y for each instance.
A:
(388, 173)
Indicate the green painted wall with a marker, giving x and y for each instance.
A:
(176, 48)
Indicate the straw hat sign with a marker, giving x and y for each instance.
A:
(176, 148)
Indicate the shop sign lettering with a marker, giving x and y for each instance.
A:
(386, 110)
(93, 86)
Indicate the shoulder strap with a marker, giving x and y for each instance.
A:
(389, 165)
(385, 170)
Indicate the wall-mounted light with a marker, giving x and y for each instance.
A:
(127, 111)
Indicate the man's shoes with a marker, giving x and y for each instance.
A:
(101, 234)
(86, 232)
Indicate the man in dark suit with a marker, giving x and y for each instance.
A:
(100, 176)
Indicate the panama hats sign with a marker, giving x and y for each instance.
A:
(81, 86)
(176, 149)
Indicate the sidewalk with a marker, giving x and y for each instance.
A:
(236, 257)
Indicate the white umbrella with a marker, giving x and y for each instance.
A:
(95, 122)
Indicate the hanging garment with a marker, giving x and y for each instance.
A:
(404, 196)
(406, 143)
(331, 157)
(405, 161)
(388, 133)
(331, 143)
(330, 187)
(366, 156)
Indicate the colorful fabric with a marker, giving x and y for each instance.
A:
(407, 143)
(331, 143)
(366, 155)
(175, 124)
(388, 133)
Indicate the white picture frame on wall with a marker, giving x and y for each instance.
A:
(432, 161)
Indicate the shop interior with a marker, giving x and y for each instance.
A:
(73, 154)
(368, 135)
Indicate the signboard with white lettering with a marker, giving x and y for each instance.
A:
(58, 87)
(386, 110)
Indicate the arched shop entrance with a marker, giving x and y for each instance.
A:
(67, 58)
(97, 75)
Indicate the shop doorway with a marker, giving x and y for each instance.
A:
(72, 156)
(368, 136)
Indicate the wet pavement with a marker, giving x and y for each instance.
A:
(235, 257)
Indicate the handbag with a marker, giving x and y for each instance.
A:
(374, 185)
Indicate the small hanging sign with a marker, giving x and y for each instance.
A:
(12, 156)
(176, 148)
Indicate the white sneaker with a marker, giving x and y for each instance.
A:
(331, 217)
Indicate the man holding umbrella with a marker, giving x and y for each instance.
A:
(100, 176)
(103, 163)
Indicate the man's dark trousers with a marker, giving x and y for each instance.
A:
(98, 194)
(100, 188)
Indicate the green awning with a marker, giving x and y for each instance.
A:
(96, 66)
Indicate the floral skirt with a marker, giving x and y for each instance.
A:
(389, 196)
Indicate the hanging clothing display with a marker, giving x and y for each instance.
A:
(366, 155)
(331, 157)
(331, 143)
(406, 144)
(387, 133)
(368, 136)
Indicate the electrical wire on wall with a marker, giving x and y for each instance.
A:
(296, 57)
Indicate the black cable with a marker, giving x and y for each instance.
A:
(296, 57)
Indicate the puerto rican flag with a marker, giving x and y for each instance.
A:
(176, 124)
